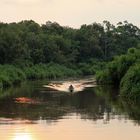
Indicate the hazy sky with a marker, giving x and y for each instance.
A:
(70, 12)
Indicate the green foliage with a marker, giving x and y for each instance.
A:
(91, 67)
(123, 71)
(50, 71)
(130, 83)
(103, 77)
(52, 51)
(116, 69)
(10, 75)
(86, 69)
(132, 50)
(28, 41)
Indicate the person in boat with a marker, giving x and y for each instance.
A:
(71, 88)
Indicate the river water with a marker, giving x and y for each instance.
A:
(39, 110)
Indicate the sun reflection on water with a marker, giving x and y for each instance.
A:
(22, 136)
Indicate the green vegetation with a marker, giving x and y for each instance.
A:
(27, 43)
(124, 70)
(10, 75)
(32, 51)
(130, 83)
(117, 68)
(50, 71)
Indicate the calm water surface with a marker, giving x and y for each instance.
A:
(41, 111)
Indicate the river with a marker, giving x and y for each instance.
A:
(42, 110)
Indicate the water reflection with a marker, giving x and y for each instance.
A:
(11, 121)
(31, 102)
(28, 111)
(22, 136)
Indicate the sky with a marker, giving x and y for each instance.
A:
(73, 13)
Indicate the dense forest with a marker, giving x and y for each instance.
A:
(29, 43)
(32, 51)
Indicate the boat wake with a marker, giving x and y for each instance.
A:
(64, 86)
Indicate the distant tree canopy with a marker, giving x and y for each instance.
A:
(30, 43)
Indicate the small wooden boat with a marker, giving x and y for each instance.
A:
(71, 88)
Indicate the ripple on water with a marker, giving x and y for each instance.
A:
(79, 85)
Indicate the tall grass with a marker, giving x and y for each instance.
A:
(49, 71)
(12, 75)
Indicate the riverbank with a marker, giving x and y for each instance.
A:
(124, 72)
(11, 75)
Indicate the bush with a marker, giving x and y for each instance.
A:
(130, 83)
(103, 78)
(10, 75)
(5, 82)
(91, 68)
(116, 69)
(86, 69)
(35, 72)
(49, 71)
